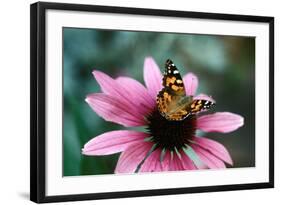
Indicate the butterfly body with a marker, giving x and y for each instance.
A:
(172, 101)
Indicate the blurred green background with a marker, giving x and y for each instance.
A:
(225, 66)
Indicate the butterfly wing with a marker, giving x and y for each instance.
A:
(186, 106)
(170, 98)
(172, 102)
(172, 79)
(199, 105)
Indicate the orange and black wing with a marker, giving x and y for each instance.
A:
(172, 79)
(169, 97)
(198, 105)
(172, 102)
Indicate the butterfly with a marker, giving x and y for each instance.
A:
(172, 101)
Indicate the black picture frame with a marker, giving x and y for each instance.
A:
(38, 100)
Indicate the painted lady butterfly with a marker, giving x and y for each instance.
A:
(172, 101)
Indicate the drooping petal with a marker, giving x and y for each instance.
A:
(112, 142)
(165, 164)
(132, 156)
(202, 166)
(112, 88)
(152, 163)
(191, 83)
(138, 93)
(176, 164)
(202, 96)
(108, 85)
(113, 110)
(187, 163)
(152, 77)
(215, 148)
(207, 158)
(158, 167)
(220, 122)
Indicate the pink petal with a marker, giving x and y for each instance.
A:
(165, 164)
(132, 157)
(191, 83)
(152, 77)
(138, 93)
(114, 110)
(207, 158)
(204, 97)
(187, 163)
(215, 148)
(152, 163)
(158, 167)
(112, 88)
(176, 164)
(202, 166)
(220, 122)
(112, 142)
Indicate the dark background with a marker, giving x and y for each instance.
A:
(225, 66)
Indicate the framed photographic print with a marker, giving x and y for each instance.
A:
(129, 102)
